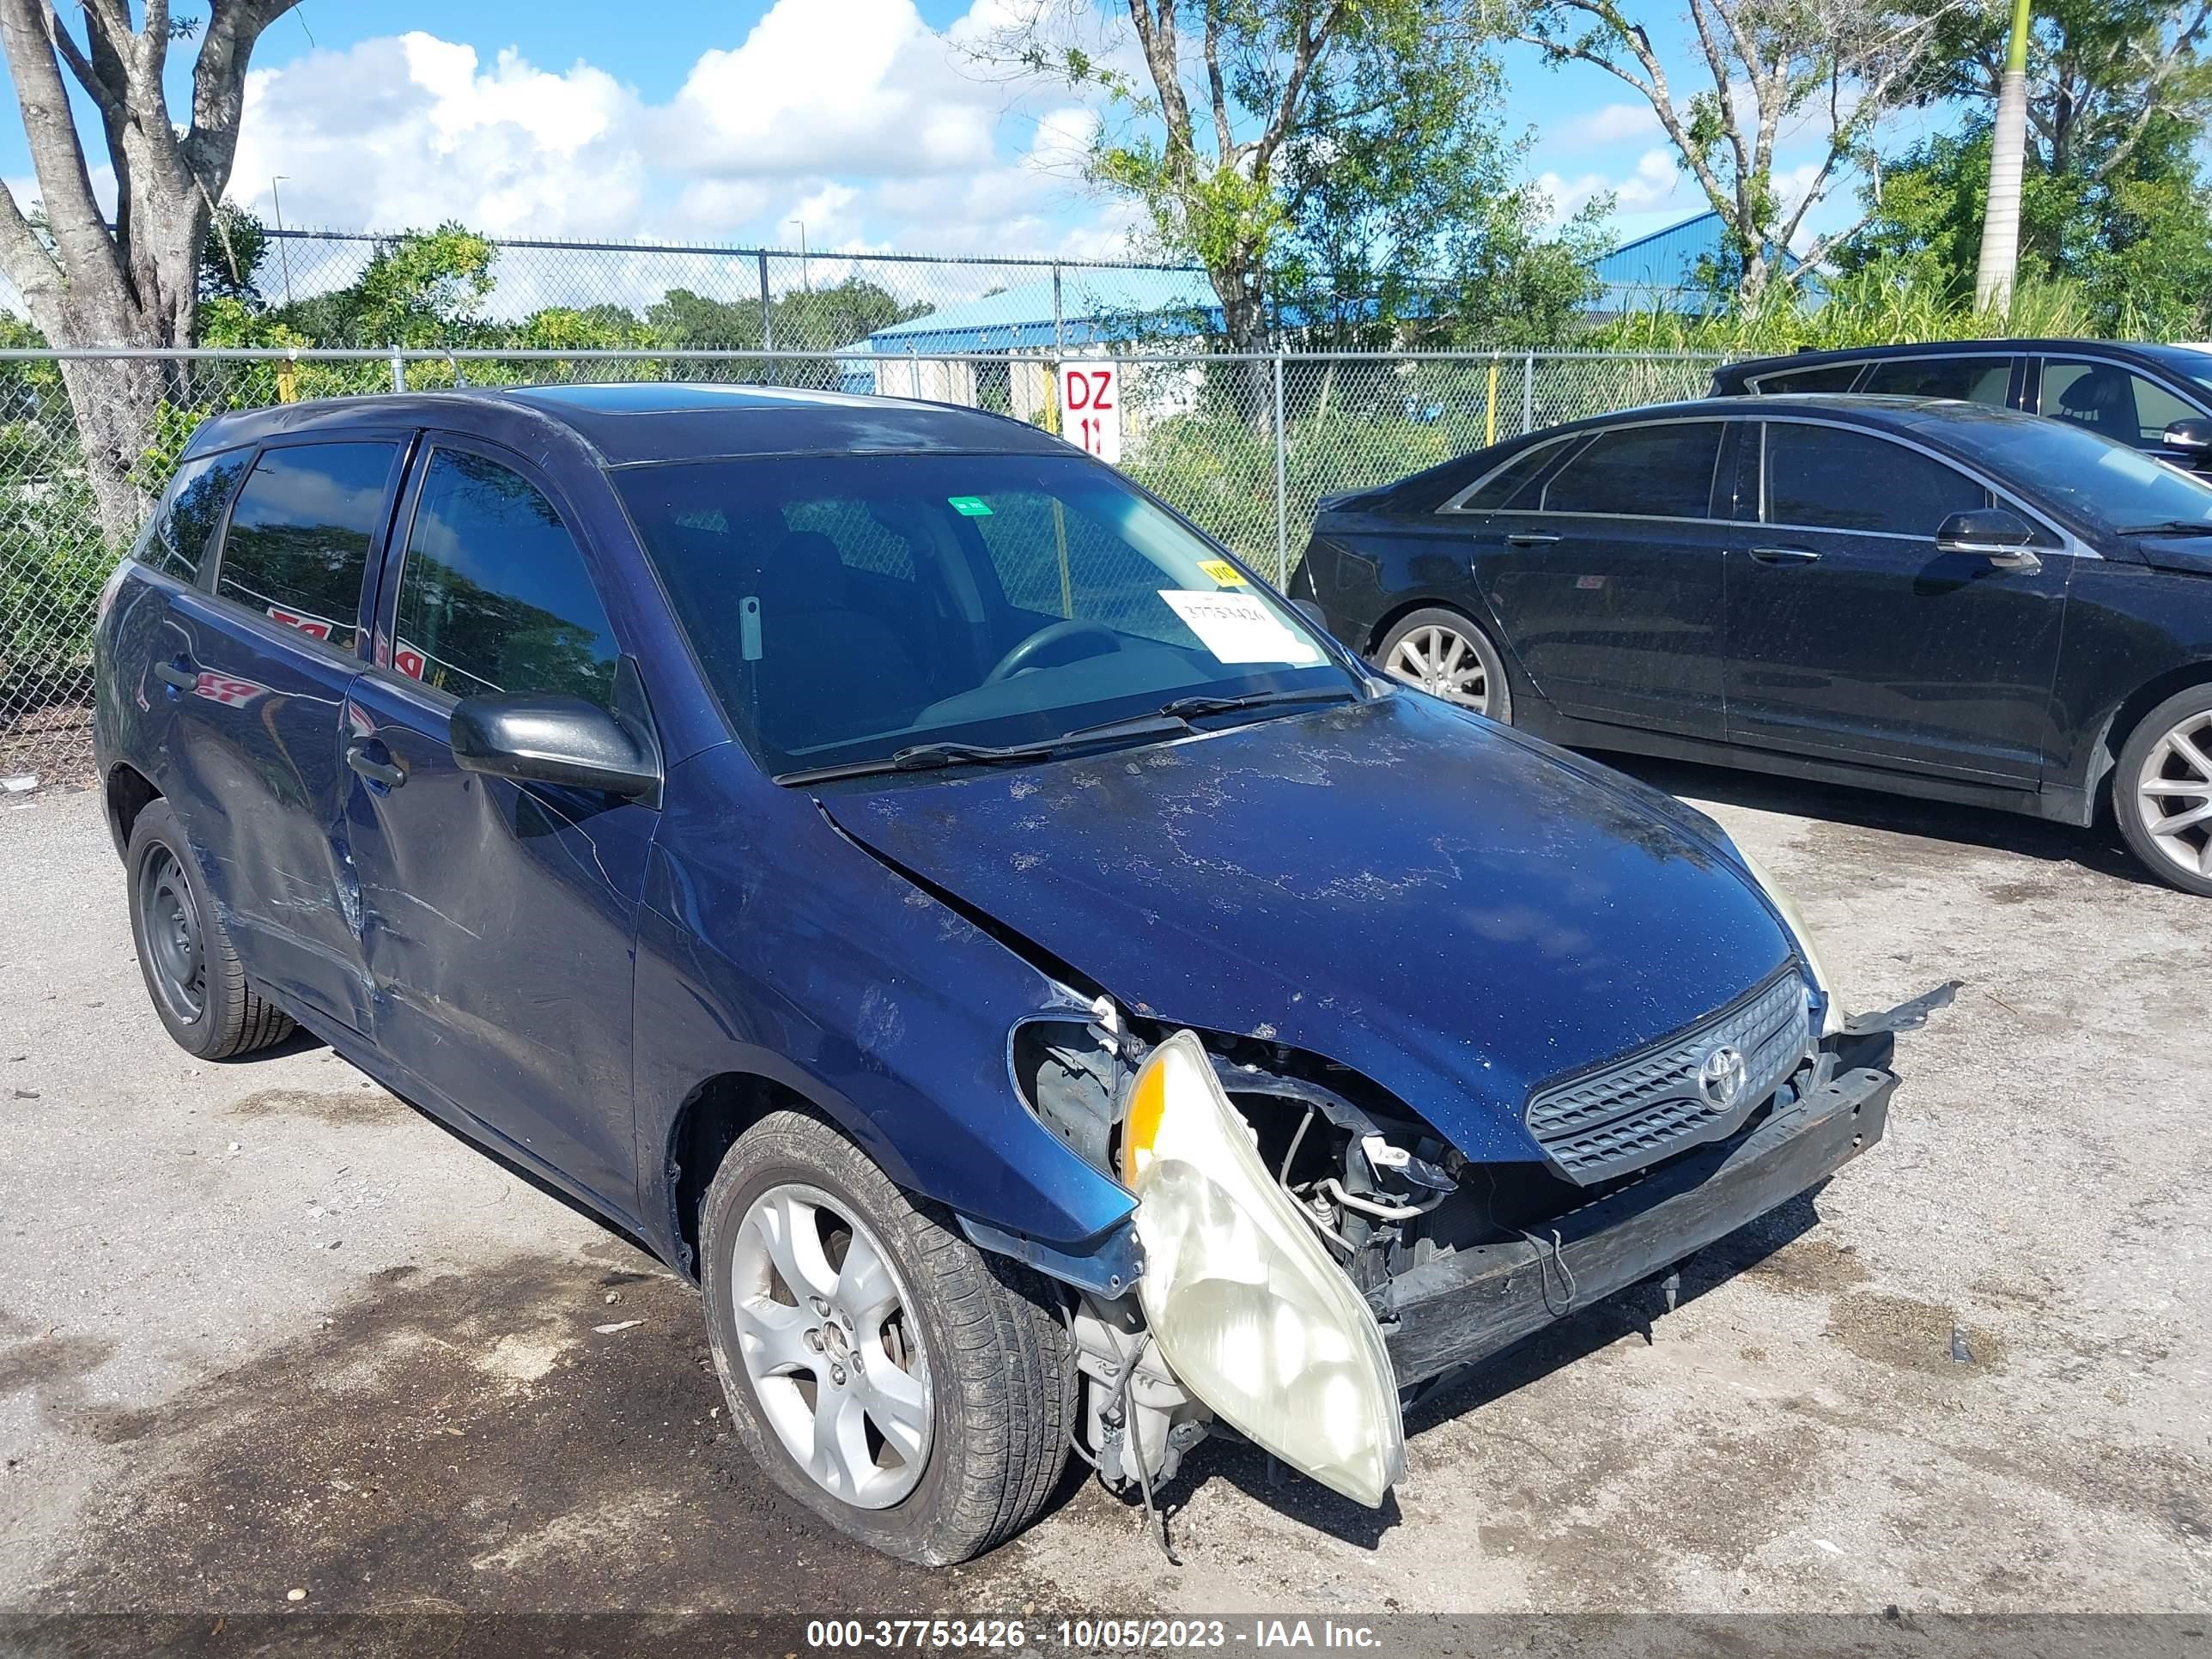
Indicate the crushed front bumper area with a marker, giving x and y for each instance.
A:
(1457, 1309)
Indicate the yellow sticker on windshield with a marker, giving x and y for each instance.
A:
(1223, 572)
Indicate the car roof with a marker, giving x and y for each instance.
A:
(2135, 350)
(1868, 409)
(634, 423)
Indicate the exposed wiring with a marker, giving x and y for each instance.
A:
(1144, 1474)
(1560, 1259)
(1283, 1175)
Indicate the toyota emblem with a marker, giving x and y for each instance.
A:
(1720, 1078)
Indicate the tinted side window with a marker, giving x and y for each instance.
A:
(1501, 486)
(1835, 377)
(1973, 379)
(300, 536)
(493, 595)
(2111, 401)
(1644, 471)
(1827, 478)
(183, 526)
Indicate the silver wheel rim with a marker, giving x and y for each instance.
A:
(829, 1342)
(2173, 794)
(1444, 663)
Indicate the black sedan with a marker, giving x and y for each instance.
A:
(1928, 597)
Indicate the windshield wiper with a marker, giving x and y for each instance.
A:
(1192, 708)
(921, 758)
(2170, 527)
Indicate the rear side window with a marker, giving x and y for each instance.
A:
(2111, 401)
(1500, 488)
(177, 539)
(298, 545)
(1970, 379)
(1833, 377)
(1824, 478)
(1642, 471)
(493, 595)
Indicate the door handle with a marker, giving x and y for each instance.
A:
(1530, 538)
(376, 771)
(178, 674)
(1785, 555)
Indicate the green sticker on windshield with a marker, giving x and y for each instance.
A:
(968, 507)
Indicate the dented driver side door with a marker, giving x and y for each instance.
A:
(498, 916)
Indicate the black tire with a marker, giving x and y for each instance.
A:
(1414, 633)
(2151, 755)
(191, 971)
(1002, 1379)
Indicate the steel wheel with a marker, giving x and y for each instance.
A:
(2173, 787)
(827, 1337)
(174, 950)
(1444, 663)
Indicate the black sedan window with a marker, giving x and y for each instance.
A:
(1658, 471)
(1828, 477)
(848, 608)
(1970, 379)
(1830, 377)
(1509, 485)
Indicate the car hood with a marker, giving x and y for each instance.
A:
(1454, 911)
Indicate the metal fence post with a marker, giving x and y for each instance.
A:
(398, 371)
(1528, 392)
(1282, 479)
(767, 317)
(1059, 322)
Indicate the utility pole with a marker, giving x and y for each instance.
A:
(803, 280)
(2007, 160)
(283, 250)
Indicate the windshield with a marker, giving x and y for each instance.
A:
(2106, 481)
(848, 608)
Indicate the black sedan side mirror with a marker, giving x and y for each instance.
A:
(1313, 613)
(1995, 533)
(2190, 441)
(546, 738)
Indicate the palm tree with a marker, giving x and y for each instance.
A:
(2008, 155)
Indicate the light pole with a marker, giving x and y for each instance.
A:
(802, 281)
(2007, 160)
(283, 253)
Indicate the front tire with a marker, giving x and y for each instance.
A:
(913, 1391)
(2162, 791)
(1447, 655)
(192, 973)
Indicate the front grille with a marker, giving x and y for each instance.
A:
(1630, 1112)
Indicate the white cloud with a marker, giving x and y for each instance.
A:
(1608, 124)
(1657, 182)
(852, 115)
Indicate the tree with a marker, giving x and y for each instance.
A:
(421, 289)
(137, 283)
(2000, 255)
(1226, 137)
(1838, 66)
(2113, 199)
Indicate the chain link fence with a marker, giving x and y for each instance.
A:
(1244, 445)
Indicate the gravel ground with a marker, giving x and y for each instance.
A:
(263, 1329)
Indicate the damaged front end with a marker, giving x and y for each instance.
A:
(1307, 1251)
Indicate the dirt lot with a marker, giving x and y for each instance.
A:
(265, 1330)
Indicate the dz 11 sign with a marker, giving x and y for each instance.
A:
(1090, 408)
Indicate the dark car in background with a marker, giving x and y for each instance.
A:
(1041, 988)
(2133, 394)
(1935, 598)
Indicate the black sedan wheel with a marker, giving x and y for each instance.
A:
(2162, 791)
(1447, 655)
(193, 976)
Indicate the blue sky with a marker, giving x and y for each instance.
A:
(860, 119)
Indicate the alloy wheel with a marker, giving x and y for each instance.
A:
(174, 945)
(831, 1345)
(1445, 664)
(2174, 794)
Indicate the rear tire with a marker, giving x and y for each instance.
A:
(948, 1416)
(2162, 791)
(1447, 655)
(192, 973)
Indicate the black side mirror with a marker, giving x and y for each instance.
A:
(2190, 441)
(1313, 613)
(548, 738)
(1995, 533)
